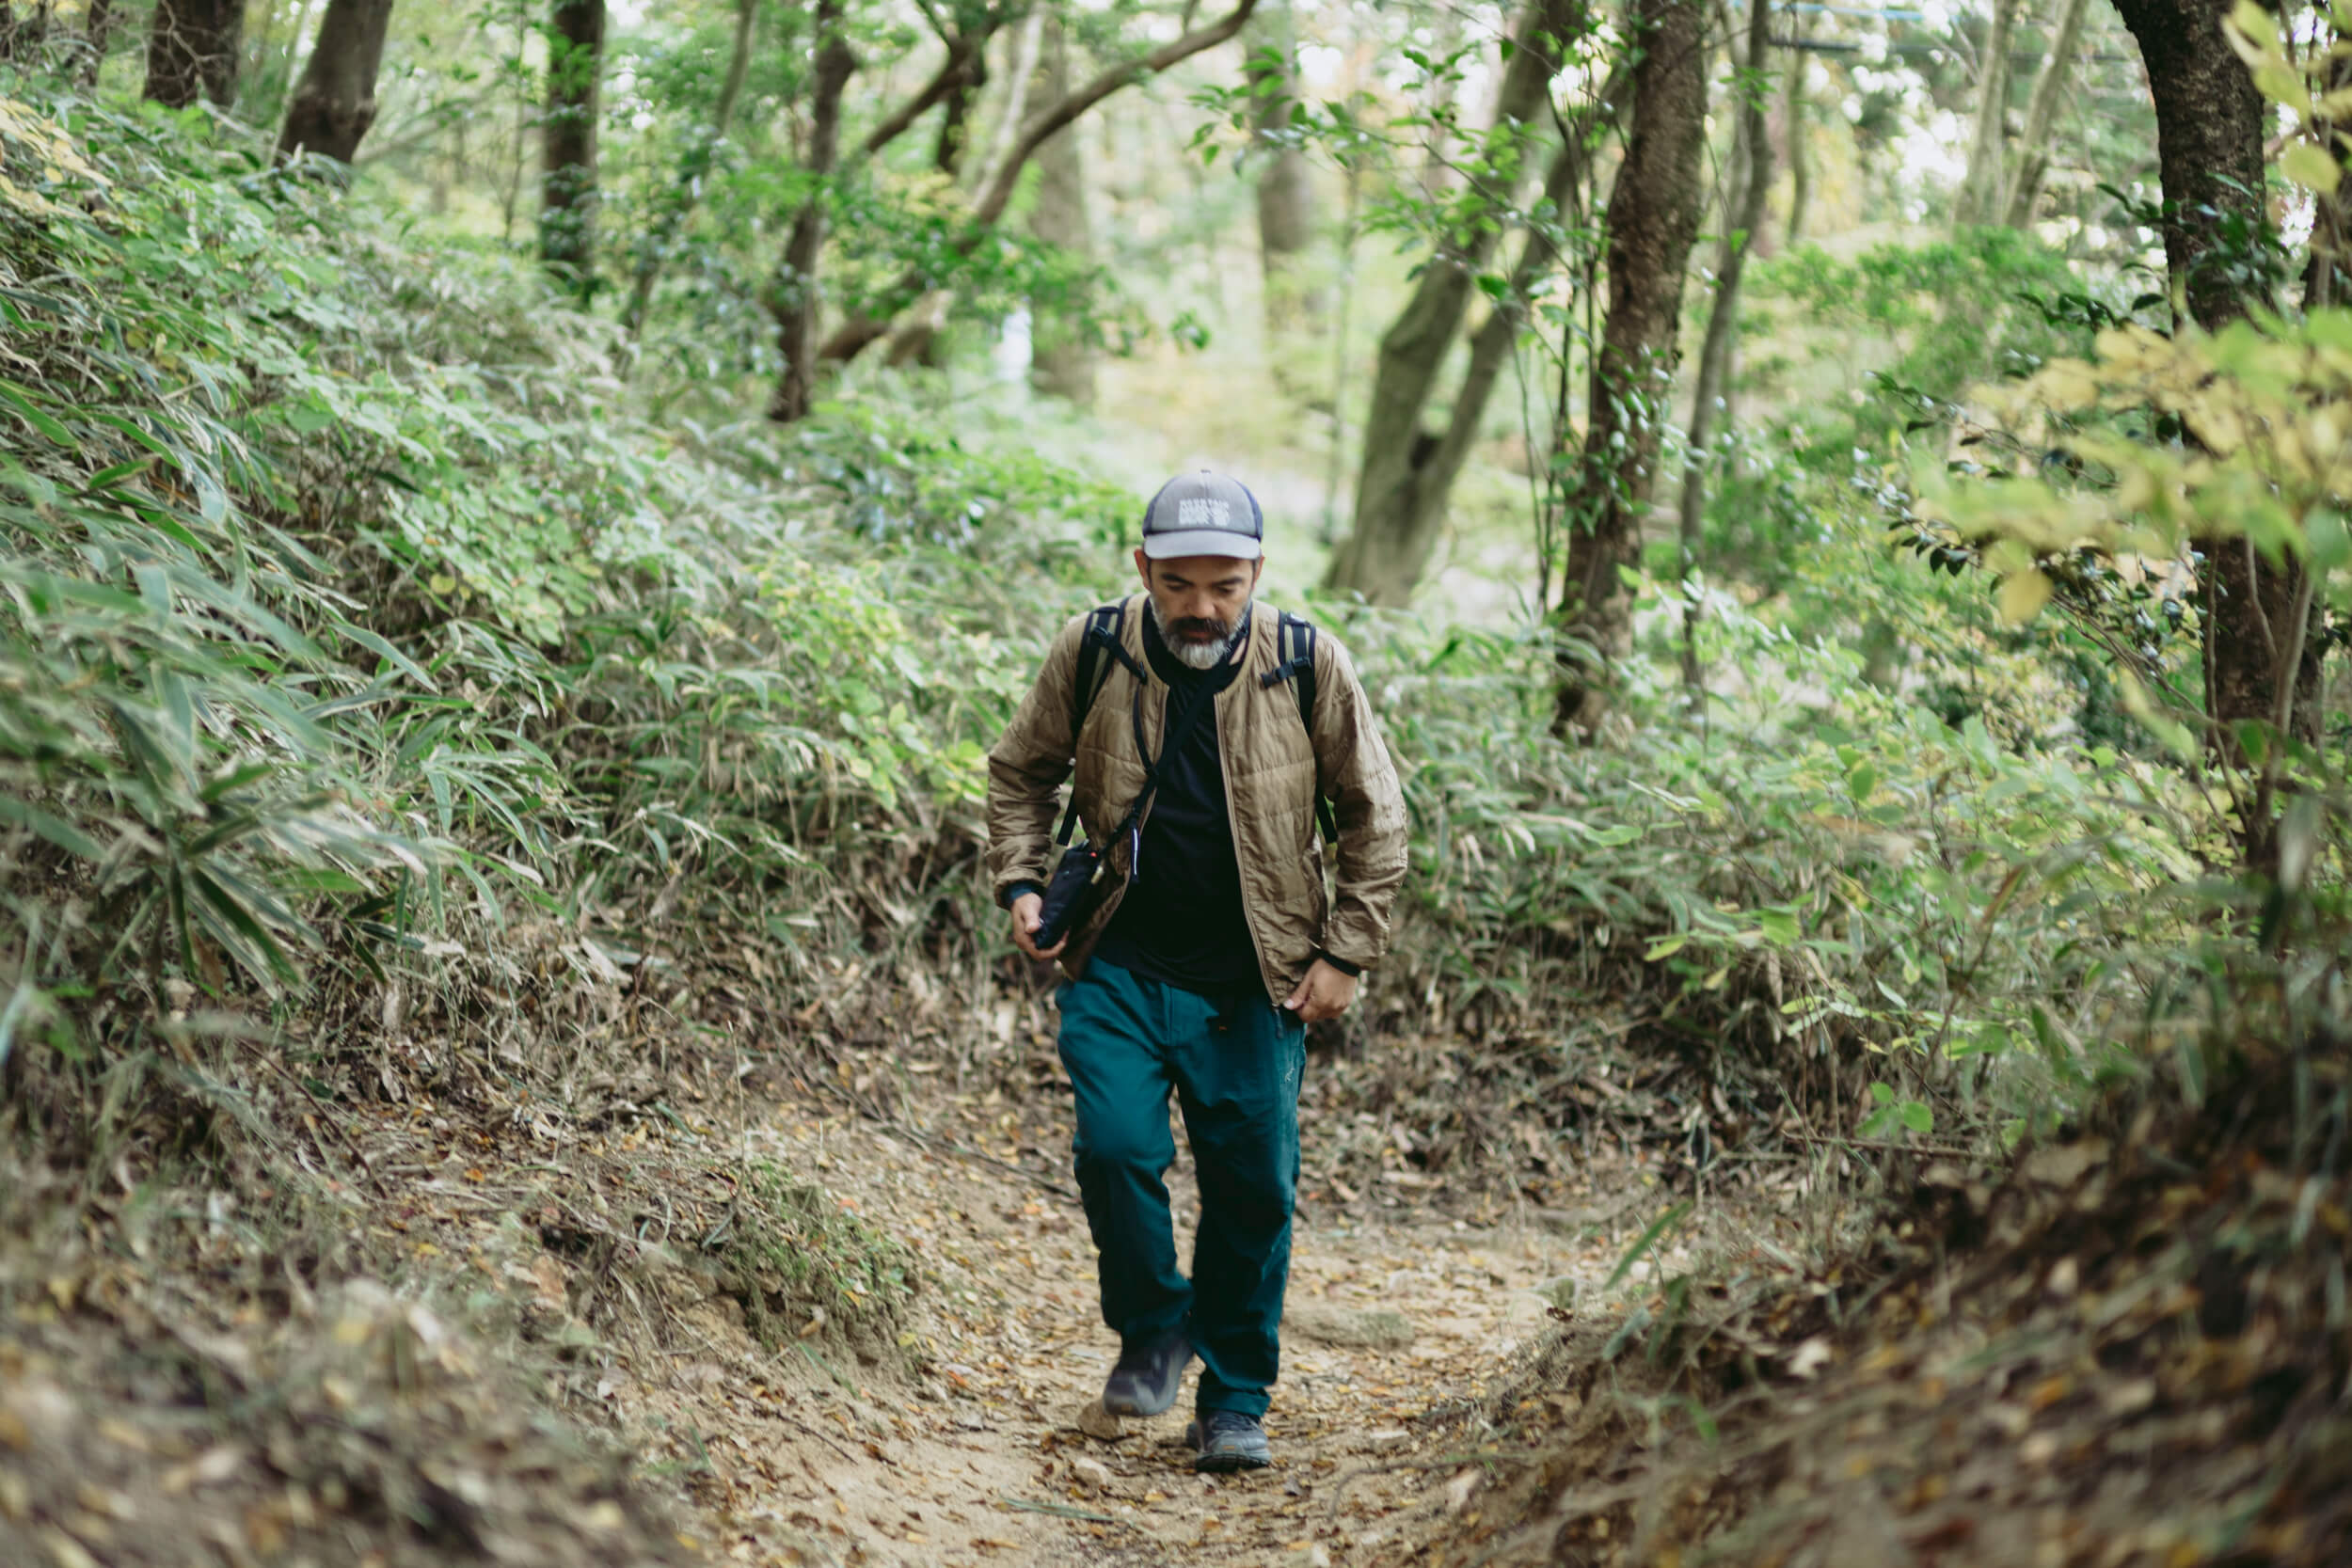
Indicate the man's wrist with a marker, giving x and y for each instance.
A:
(1014, 893)
(1352, 971)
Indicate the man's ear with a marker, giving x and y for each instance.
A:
(1143, 566)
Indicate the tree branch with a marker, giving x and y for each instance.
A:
(1034, 134)
(854, 336)
(963, 50)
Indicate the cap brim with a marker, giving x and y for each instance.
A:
(1200, 541)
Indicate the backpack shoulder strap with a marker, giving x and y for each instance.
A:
(1105, 633)
(1294, 655)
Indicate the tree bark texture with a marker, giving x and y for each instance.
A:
(1795, 116)
(1388, 549)
(796, 295)
(693, 168)
(862, 332)
(2049, 92)
(1744, 216)
(334, 103)
(568, 190)
(1286, 207)
(192, 52)
(1061, 354)
(1653, 221)
(1979, 198)
(2260, 662)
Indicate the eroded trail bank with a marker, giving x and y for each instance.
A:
(637, 1316)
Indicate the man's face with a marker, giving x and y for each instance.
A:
(1198, 600)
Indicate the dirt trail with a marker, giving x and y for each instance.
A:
(1395, 1323)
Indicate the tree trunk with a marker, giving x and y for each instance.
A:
(1979, 198)
(1287, 210)
(334, 103)
(2261, 663)
(693, 168)
(1383, 556)
(567, 191)
(795, 293)
(192, 50)
(98, 29)
(1062, 355)
(1745, 217)
(1653, 221)
(1795, 117)
(954, 118)
(2033, 159)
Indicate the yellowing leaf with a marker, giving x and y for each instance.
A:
(2307, 165)
(2023, 594)
(2284, 84)
(2259, 27)
(2067, 385)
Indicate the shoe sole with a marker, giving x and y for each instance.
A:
(1226, 1464)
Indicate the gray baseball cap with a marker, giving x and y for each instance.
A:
(1203, 514)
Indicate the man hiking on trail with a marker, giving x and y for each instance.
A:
(1212, 738)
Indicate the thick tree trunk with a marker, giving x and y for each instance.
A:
(1795, 116)
(192, 50)
(1061, 354)
(1979, 198)
(1286, 207)
(2261, 662)
(1653, 220)
(1745, 214)
(795, 293)
(567, 191)
(1490, 349)
(693, 168)
(2049, 91)
(1383, 556)
(334, 103)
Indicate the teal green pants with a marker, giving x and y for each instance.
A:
(1235, 1063)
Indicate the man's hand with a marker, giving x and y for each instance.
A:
(1026, 917)
(1324, 994)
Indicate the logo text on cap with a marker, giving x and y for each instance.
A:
(1203, 512)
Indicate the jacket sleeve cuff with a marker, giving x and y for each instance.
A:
(1014, 890)
(1350, 969)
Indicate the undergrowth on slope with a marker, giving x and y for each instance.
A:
(356, 616)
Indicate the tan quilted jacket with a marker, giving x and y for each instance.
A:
(1271, 772)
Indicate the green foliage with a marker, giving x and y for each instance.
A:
(346, 593)
(1901, 330)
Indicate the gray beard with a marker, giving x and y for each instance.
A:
(1195, 656)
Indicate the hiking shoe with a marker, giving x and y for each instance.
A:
(1227, 1441)
(1147, 1377)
